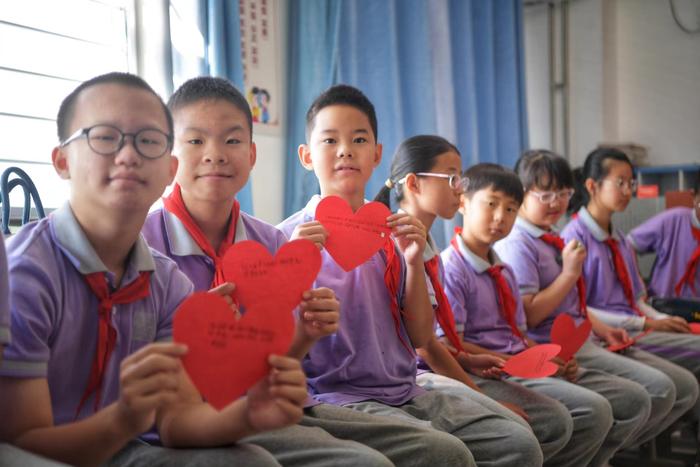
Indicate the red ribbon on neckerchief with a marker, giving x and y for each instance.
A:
(557, 242)
(392, 280)
(622, 273)
(504, 294)
(107, 335)
(692, 266)
(176, 205)
(443, 312)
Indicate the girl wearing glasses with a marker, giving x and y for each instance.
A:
(426, 181)
(549, 275)
(674, 235)
(615, 292)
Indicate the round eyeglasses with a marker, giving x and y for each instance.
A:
(107, 140)
(548, 197)
(455, 181)
(621, 184)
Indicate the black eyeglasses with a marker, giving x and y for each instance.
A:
(107, 140)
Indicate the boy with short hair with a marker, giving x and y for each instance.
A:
(483, 292)
(200, 220)
(369, 364)
(89, 367)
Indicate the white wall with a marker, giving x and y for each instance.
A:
(634, 77)
(268, 174)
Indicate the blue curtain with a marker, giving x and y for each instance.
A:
(448, 67)
(218, 24)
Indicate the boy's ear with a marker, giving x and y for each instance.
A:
(378, 154)
(59, 159)
(174, 162)
(305, 156)
(463, 200)
(253, 154)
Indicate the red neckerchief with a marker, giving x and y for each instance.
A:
(506, 301)
(443, 312)
(107, 335)
(692, 266)
(557, 242)
(622, 273)
(176, 205)
(392, 280)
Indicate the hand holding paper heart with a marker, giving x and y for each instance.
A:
(629, 343)
(353, 237)
(534, 362)
(410, 235)
(568, 336)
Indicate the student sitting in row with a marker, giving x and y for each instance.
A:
(90, 367)
(606, 410)
(426, 182)
(370, 363)
(674, 235)
(201, 219)
(614, 289)
(549, 279)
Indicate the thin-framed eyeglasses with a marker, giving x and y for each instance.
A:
(620, 184)
(456, 182)
(106, 140)
(548, 197)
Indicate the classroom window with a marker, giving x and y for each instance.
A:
(48, 48)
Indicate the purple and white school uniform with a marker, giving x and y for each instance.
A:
(54, 312)
(536, 265)
(365, 359)
(165, 232)
(474, 300)
(669, 235)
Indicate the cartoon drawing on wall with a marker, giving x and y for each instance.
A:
(259, 101)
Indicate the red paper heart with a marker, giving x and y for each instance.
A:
(694, 328)
(571, 338)
(353, 237)
(267, 282)
(533, 362)
(227, 356)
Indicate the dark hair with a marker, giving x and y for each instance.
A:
(596, 168)
(696, 187)
(203, 88)
(341, 94)
(67, 108)
(547, 170)
(415, 154)
(486, 175)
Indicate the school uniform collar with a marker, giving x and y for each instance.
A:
(532, 229)
(598, 233)
(694, 218)
(477, 263)
(431, 249)
(181, 242)
(73, 242)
